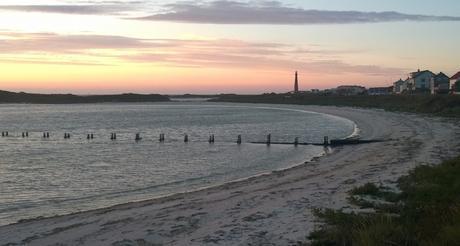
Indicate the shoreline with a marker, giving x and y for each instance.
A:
(172, 196)
(273, 207)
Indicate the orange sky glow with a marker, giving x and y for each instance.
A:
(101, 48)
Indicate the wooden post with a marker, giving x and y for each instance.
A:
(186, 138)
(269, 139)
(23, 135)
(27, 134)
(138, 137)
(47, 135)
(296, 141)
(239, 140)
(326, 141)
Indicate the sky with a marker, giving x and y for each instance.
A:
(222, 46)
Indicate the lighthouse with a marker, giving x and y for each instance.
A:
(296, 83)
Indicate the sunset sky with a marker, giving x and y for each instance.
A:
(100, 47)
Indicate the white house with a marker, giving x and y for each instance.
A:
(350, 90)
(399, 86)
(420, 81)
(440, 84)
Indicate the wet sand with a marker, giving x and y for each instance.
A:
(272, 209)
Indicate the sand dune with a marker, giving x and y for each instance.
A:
(273, 209)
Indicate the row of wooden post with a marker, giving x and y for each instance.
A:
(138, 137)
(113, 136)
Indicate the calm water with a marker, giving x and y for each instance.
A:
(44, 177)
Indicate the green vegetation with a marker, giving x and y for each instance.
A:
(426, 211)
(441, 105)
(12, 97)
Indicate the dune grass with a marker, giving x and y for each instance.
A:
(426, 211)
(439, 105)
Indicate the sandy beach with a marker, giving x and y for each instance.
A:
(271, 209)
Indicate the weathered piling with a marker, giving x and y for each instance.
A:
(27, 134)
(326, 141)
(186, 138)
(211, 139)
(47, 135)
(138, 137)
(296, 141)
(239, 140)
(23, 134)
(3, 134)
(269, 139)
(162, 137)
(113, 136)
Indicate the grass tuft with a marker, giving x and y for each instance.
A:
(425, 212)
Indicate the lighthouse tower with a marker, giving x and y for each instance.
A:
(296, 83)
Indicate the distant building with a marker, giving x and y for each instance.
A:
(399, 86)
(350, 90)
(440, 84)
(420, 81)
(379, 91)
(296, 83)
(455, 83)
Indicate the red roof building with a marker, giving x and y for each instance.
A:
(456, 76)
(455, 83)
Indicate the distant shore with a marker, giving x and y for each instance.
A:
(273, 208)
(32, 98)
(438, 105)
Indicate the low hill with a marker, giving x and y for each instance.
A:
(21, 97)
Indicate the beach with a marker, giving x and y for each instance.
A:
(269, 209)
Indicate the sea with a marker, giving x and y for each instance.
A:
(42, 177)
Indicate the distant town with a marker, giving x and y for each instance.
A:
(418, 82)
